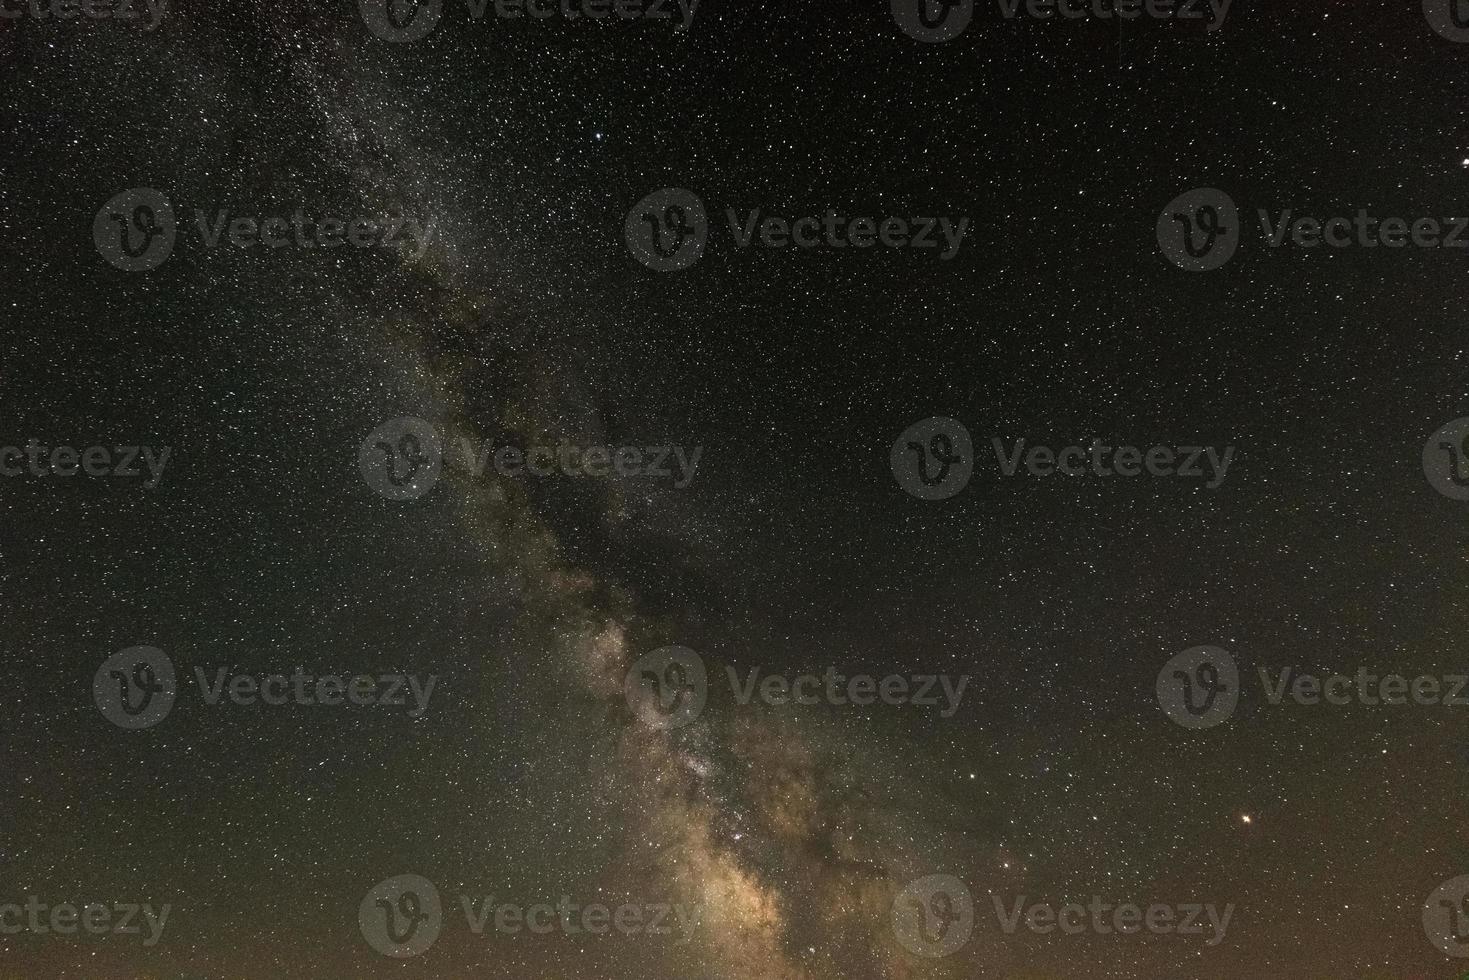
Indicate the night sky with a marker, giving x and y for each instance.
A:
(298, 525)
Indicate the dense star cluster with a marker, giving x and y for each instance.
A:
(733, 489)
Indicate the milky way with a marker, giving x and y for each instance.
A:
(710, 437)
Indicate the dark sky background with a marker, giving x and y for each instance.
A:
(794, 549)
